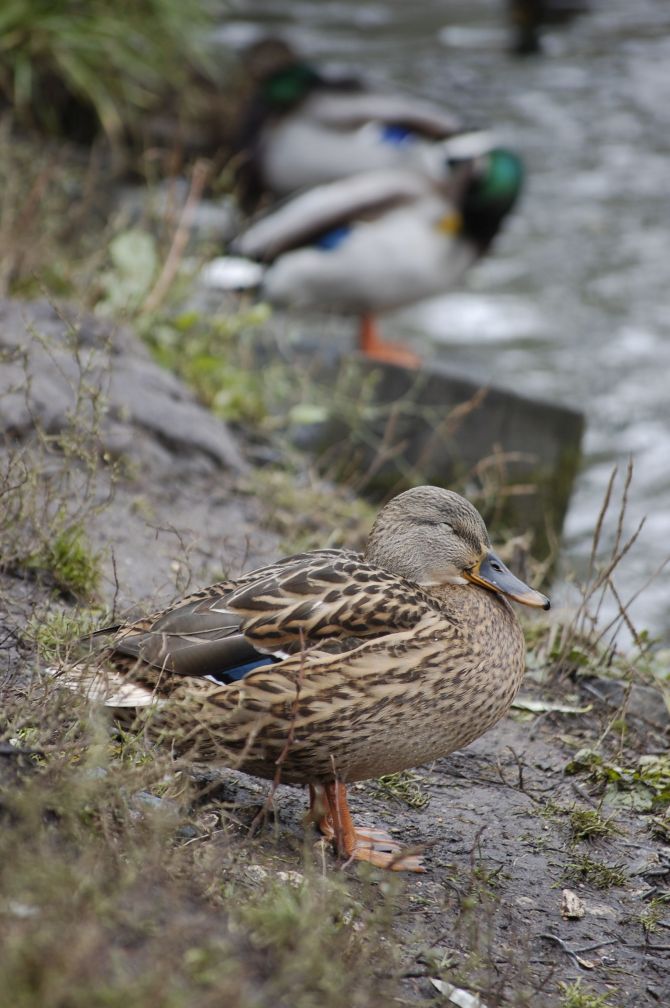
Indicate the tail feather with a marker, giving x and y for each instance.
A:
(232, 273)
(107, 687)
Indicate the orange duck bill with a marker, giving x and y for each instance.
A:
(492, 573)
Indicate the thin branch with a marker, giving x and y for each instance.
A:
(201, 171)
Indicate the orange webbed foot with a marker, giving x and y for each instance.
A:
(330, 810)
(390, 862)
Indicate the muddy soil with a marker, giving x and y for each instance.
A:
(498, 845)
(499, 855)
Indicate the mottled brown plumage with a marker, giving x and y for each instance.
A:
(374, 663)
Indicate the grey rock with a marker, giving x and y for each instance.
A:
(152, 801)
(186, 832)
(58, 368)
(644, 702)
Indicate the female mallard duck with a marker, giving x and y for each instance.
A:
(302, 128)
(332, 666)
(375, 241)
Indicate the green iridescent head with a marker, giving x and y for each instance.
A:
(491, 193)
(290, 85)
(501, 179)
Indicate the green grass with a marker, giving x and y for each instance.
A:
(330, 514)
(656, 910)
(583, 868)
(116, 61)
(54, 633)
(213, 356)
(589, 824)
(105, 902)
(584, 823)
(43, 517)
(51, 488)
(574, 995)
(51, 231)
(405, 786)
(69, 561)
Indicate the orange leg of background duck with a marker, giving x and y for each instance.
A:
(372, 345)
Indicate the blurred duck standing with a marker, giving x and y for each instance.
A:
(377, 241)
(301, 128)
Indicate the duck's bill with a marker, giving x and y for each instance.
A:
(492, 573)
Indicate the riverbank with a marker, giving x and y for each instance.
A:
(127, 877)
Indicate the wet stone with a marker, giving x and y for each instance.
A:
(644, 702)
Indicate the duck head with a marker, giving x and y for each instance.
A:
(282, 78)
(486, 188)
(435, 537)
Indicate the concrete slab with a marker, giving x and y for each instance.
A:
(389, 428)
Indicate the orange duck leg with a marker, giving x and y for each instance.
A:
(330, 810)
(372, 345)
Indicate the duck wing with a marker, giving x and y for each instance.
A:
(308, 601)
(351, 110)
(305, 217)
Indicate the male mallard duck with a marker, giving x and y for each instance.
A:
(375, 241)
(333, 666)
(302, 128)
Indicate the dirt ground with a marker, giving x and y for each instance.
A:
(489, 904)
(494, 818)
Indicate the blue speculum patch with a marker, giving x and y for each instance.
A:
(395, 134)
(330, 240)
(240, 671)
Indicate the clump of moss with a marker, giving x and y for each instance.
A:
(574, 995)
(599, 875)
(405, 786)
(70, 562)
(54, 633)
(589, 824)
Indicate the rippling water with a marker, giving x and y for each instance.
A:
(574, 304)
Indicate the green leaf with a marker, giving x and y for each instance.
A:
(308, 413)
(134, 266)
